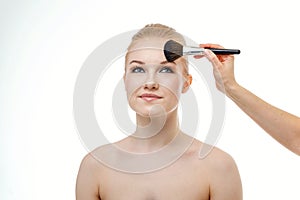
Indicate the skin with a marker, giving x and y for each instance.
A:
(215, 177)
(281, 125)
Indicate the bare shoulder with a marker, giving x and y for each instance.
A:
(89, 162)
(93, 160)
(224, 178)
(91, 175)
(212, 156)
(90, 169)
(87, 183)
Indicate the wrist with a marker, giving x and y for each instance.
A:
(231, 88)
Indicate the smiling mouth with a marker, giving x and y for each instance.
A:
(150, 97)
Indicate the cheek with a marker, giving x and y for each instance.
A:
(172, 82)
(133, 82)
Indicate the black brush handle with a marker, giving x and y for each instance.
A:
(224, 51)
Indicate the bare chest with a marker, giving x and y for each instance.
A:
(174, 183)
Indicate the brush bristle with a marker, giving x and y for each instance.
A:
(172, 50)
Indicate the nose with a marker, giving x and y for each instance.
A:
(151, 85)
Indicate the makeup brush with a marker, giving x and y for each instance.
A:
(174, 50)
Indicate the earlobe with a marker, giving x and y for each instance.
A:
(187, 83)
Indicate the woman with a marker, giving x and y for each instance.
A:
(154, 87)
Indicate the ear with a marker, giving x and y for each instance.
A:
(124, 75)
(187, 83)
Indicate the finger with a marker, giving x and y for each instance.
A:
(222, 58)
(212, 57)
(209, 45)
(198, 56)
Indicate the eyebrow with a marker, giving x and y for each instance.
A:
(166, 62)
(137, 61)
(142, 63)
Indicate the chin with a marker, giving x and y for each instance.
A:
(154, 110)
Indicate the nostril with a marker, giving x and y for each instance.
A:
(151, 85)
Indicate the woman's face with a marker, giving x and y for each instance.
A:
(150, 81)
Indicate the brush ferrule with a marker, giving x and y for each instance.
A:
(187, 50)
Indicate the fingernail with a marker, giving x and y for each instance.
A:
(207, 52)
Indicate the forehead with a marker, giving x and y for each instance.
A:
(149, 50)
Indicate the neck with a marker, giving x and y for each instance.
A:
(154, 132)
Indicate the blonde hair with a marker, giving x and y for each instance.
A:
(159, 31)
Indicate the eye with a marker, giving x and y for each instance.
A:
(166, 70)
(138, 70)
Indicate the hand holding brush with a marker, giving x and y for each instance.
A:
(174, 50)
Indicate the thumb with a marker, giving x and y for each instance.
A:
(212, 57)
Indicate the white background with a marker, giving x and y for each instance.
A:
(43, 46)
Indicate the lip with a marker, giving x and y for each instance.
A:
(149, 97)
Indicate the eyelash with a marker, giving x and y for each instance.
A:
(167, 68)
(137, 68)
(134, 70)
